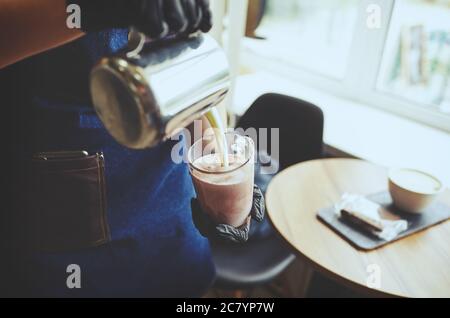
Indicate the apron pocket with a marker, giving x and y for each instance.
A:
(67, 203)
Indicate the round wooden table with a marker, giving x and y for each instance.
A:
(416, 266)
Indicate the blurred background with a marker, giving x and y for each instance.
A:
(378, 69)
(405, 55)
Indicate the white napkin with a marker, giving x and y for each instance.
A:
(365, 209)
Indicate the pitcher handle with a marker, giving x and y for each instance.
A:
(136, 43)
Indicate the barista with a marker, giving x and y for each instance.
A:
(138, 238)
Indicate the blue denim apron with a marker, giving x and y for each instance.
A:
(155, 250)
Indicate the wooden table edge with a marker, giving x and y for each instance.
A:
(316, 266)
(330, 274)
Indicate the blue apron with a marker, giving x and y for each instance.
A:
(155, 250)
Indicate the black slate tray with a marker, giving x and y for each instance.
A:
(435, 214)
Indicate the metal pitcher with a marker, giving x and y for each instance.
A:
(147, 94)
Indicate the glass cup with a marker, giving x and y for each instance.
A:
(224, 193)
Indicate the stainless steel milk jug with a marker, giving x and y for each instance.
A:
(146, 95)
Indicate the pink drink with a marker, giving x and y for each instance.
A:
(225, 193)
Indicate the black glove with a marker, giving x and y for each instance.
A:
(155, 18)
(223, 232)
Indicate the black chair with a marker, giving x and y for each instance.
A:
(266, 255)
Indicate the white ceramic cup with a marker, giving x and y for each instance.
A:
(412, 190)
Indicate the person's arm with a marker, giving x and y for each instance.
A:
(28, 27)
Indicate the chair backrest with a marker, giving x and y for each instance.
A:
(300, 127)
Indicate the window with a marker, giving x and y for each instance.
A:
(316, 35)
(416, 60)
(401, 64)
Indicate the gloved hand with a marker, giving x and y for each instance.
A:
(223, 232)
(155, 18)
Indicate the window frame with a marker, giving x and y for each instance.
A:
(360, 81)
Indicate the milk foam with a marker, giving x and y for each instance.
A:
(416, 181)
(213, 163)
